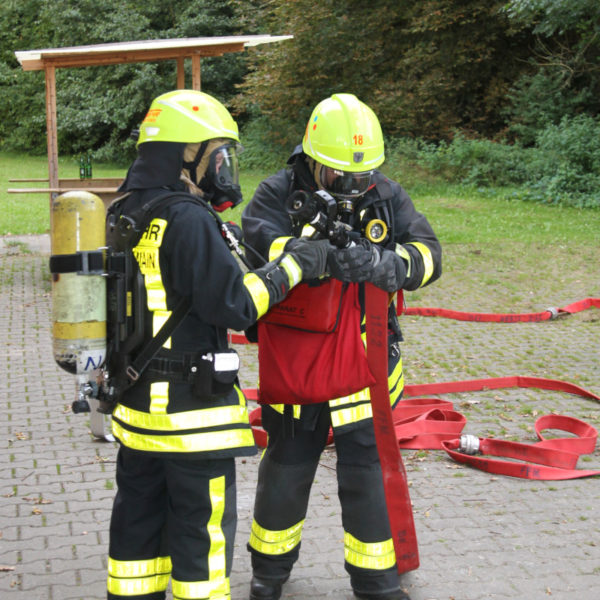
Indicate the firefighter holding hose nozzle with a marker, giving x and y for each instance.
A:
(331, 189)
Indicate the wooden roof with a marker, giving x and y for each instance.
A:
(139, 51)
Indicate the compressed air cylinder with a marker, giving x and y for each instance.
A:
(78, 292)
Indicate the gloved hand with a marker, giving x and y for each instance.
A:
(390, 272)
(311, 255)
(354, 263)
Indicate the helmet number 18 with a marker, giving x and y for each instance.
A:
(358, 139)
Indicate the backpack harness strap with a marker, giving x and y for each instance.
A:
(142, 360)
(210, 372)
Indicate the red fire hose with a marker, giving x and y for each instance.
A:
(545, 315)
(421, 423)
(395, 483)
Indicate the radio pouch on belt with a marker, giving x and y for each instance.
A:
(215, 373)
(327, 361)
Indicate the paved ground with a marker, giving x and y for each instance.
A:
(480, 536)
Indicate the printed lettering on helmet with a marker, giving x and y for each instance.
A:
(152, 115)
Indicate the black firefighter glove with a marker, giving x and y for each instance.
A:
(389, 273)
(311, 256)
(354, 263)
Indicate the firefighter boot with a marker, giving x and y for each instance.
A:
(266, 589)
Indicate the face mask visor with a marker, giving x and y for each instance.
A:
(344, 184)
(224, 174)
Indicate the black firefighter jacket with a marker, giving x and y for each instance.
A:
(183, 254)
(267, 227)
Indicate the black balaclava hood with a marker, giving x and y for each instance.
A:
(158, 164)
(305, 179)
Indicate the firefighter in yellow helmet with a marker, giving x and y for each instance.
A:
(179, 414)
(392, 246)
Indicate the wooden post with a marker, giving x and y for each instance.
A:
(196, 82)
(52, 140)
(180, 73)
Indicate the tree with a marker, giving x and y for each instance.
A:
(327, 53)
(564, 66)
(98, 107)
(426, 68)
(23, 112)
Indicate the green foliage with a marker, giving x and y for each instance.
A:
(564, 73)
(287, 79)
(540, 100)
(442, 73)
(260, 152)
(478, 162)
(454, 62)
(566, 166)
(562, 167)
(552, 16)
(426, 68)
(98, 107)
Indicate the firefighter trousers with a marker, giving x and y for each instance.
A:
(172, 519)
(286, 472)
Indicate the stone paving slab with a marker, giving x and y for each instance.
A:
(480, 536)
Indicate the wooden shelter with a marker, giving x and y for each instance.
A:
(178, 50)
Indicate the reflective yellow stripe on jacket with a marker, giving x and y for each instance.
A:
(277, 246)
(205, 429)
(146, 254)
(258, 292)
(427, 257)
(357, 407)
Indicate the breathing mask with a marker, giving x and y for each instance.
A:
(215, 171)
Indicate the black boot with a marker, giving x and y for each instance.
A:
(395, 595)
(266, 589)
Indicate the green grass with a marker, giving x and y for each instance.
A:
(22, 214)
(459, 214)
(468, 216)
(30, 213)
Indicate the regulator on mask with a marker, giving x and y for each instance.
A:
(329, 217)
(320, 210)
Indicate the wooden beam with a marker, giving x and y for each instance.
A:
(77, 183)
(29, 179)
(180, 73)
(62, 190)
(196, 73)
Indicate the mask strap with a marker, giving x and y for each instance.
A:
(191, 166)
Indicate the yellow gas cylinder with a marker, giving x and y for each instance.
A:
(78, 284)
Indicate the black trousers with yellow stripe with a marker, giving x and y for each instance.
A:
(286, 473)
(172, 519)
